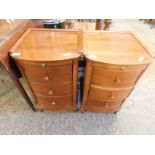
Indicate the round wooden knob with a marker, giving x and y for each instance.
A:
(117, 80)
(43, 65)
(111, 97)
(53, 103)
(106, 104)
(45, 78)
(50, 92)
(122, 68)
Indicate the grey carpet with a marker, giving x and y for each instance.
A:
(137, 115)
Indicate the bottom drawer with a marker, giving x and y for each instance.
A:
(104, 106)
(54, 103)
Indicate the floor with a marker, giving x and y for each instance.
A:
(137, 115)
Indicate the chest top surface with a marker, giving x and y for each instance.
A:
(103, 46)
(46, 45)
(115, 48)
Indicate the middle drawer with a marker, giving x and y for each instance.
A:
(100, 93)
(52, 90)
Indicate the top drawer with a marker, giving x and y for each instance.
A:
(47, 75)
(120, 68)
(110, 78)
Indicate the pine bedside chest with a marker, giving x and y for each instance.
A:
(48, 61)
(114, 63)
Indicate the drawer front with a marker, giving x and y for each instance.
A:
(52, 90)
(120, 68)
(54, 103)
(48, 75)
(109, 78)
(103, 106)
(101, 94)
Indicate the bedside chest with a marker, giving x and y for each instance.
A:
(115, 62)
(48, 61)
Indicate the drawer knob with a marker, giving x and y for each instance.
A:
(45, 78)
(117, 80)
(106, 104)
(53, 103)
(43, 65)
(112, 97)
(122, 68)
(50, 92)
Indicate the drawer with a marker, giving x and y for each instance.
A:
(109, 78)
(120, 68)
(101, 94)
(48, 75)
(54, 103)
(103, 106)
(52, 90)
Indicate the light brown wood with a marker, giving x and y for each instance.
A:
(144, 44)
(115, 62)
(87, 82)
(75, 83)
(48, 65)
(54, 103)
(103, 93)
(119, 68)
(42, 42)
(7, 26)
(85, 26)
(52, 90)
(10, 33)
(48, 75)
(110, 78)
(104, 106)
(115, 48)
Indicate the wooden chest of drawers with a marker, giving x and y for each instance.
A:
(48, 60)
(50, 68)
(115, 62)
